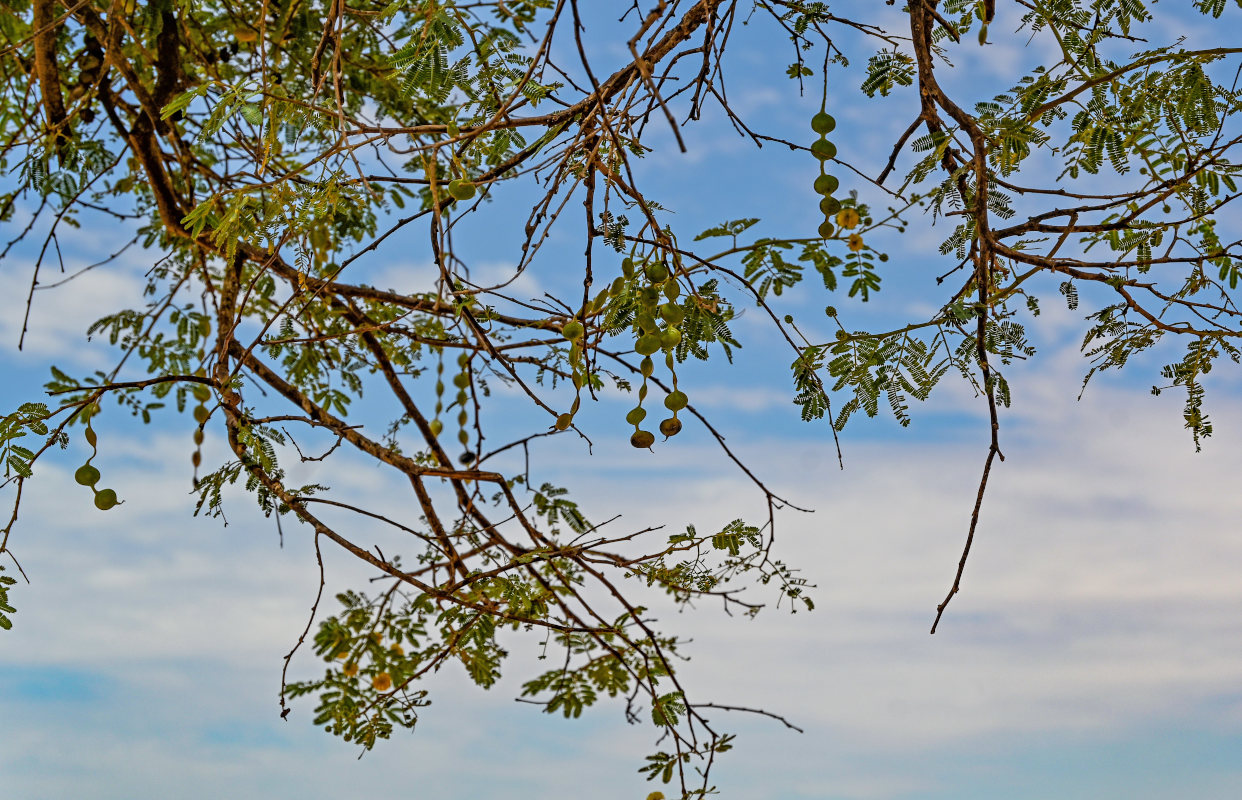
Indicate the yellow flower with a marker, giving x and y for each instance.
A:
(855, 242)
(382, 682)
(350, 669)
(398, 649)
(848, 218)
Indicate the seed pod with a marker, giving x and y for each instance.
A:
(636, 416)
(823, 122)
(826, 184)
(672, 290)
(461, 189)
(573, 330)
(90, 436)
(676, 401)
(201, 414)
(564, 421)
(670, 427)
(649, 296)
(672, 313)
(627, 267)
(86, 475)
(105, 499)
(463, 359)
(642, 439)
(201, 393)
(823, 149)
(463, 417)
(646, 323)
(647, 344)
(826, 230)
(670, 338)
(830, 206)
(656, 272)
(198, 436)
(196, 458)
(646, 367)
(463, 436)
(436, 427)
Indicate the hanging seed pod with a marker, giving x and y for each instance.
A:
(670, 427)
(642, 439)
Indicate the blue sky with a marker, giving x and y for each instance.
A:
(1095, 650)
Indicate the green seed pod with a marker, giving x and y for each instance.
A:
(90, 436)
(436, 427)
(642, 439)
(462, 397)
(86, 475)
(670, 427)
(105, 499)
(198, 436)
(627, 267)
(672, 290)
(826, 231)
(670, 338)
(439, 388)
(672, 313)
(463, 436)
(830, 206)
(201, 393)
(646, 367)
(564, 421)
(676, 401)
(636, 416)
(573, 330)
(826, 184)
(646, 323)
(201, 414)
(655, 272)
(618, 286)
(647, 344)
(461, 380)
(463, 418)
(463, 359)
(461, 189)
(649, 296)
(196, 458)
(823, 149)
(823, 122)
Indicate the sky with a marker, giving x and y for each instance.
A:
(1095, 649)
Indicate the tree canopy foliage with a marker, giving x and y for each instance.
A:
(263, 153)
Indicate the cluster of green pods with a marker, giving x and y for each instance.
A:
(462, 380)
(656, 328)
(88, 475)
(202, 394)
(825, 185)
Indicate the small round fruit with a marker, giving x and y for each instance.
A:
(201, 393)
(647, 344)
(636, 415)
(823, 149)
(830, 206)
(826, 230)
(86, 475)
(105, 499)
(670, 426)
(573, 330)
(656, 272)
(564, 421)
(642, 439)
(823, 122)
(201, 414)
(676, 401)
(670, 338)
(461, 189)
(461, 380)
